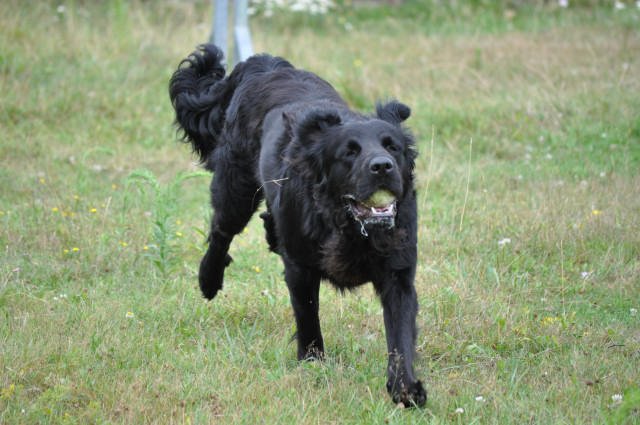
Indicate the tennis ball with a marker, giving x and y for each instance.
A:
(381, 198)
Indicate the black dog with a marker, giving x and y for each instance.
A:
(270, 131)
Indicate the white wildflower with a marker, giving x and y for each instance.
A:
(503, 242)
(129, 315)
(459, 411)
(563, 3)
(298, 7)
(480, 399)
(633, 312)
(617, 398)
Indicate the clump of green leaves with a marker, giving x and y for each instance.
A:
(163, 250)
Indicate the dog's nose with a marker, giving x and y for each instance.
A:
(381, 165)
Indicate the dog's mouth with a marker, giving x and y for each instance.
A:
(372, 215)
(362, 211)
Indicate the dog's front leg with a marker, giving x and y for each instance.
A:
(400, 305)
(304, 288)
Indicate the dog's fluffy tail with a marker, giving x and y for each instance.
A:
(200, 96)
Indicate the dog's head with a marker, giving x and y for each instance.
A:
(362, 167)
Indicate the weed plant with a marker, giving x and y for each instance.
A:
(162, 251)
(526, 116)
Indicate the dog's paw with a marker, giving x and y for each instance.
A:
(208, 290)
(413, 395)
(313, 354)
(211, 274)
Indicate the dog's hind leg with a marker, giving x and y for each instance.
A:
(235, 197)
(213, 263)
(270, 230)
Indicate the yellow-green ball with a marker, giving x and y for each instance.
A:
(381, 198)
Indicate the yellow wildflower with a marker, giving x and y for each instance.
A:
(7, 392)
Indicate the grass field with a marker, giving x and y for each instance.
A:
(528, 122)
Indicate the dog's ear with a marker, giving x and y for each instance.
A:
(315, 122)
(393, 112)
(309, 132)
(396, 113)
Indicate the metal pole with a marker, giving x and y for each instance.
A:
(219, 29)
(241, 34)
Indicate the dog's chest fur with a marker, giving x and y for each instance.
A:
(350, 261)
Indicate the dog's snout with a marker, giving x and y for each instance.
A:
(381, 165)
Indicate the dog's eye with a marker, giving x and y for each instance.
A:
(389, 145)
(353, 149)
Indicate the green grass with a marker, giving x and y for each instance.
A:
(527, 120)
